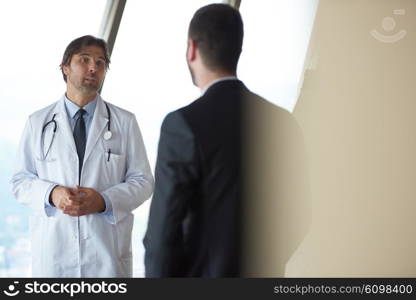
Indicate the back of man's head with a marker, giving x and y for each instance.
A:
(218, 32)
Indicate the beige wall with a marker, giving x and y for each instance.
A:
(357, 110)
(277, 210)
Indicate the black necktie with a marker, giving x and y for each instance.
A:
(80, 138)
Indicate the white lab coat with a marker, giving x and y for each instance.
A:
(94, 245)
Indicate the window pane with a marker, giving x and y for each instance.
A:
(34, 37)
(149, 76)
(276, 38)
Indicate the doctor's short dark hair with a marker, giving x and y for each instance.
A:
(218, 31)
(76, 46)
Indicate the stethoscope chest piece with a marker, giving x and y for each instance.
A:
(107, 135)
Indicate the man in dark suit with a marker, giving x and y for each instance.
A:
(198, 212)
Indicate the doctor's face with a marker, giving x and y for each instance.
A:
(86, 71)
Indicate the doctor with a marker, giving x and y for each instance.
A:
(82, 168)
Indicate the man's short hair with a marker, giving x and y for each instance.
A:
(218, 31)
(78, 44)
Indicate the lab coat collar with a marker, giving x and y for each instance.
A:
(64, 127)
(98, 124)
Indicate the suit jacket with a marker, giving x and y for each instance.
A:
(195, 224)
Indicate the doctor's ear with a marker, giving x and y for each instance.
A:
(65, 69)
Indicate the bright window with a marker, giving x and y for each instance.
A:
(276, 40)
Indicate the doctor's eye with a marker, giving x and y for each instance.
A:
(84, 59)
(100, 63)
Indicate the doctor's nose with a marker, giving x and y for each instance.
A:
(92, 68)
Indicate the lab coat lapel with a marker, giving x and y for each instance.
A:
(65, 128)
(99, 121)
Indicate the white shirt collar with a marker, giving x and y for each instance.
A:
(216, 81)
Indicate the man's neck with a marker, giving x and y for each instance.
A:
(210, 77)
(80, 99)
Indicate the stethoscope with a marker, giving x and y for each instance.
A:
(107, 135)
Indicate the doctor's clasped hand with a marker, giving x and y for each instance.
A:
(77, 201)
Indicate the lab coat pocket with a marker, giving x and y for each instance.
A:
(36, 229)
(114, 167)
(46, 167)
(124, 248)
(46, 160)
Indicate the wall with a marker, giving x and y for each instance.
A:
(357, 111)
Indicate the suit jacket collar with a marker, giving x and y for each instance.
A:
(225, 84)
(217, 81)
